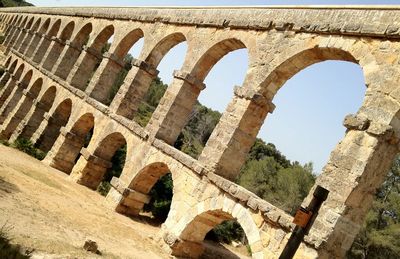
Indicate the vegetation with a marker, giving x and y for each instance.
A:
(8, 250)
(26, 146)
(13, 3)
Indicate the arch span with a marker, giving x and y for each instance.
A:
(91, 168)
(137, 194)
(192, 228)
(72, 143)
(13, 121)
(55, 122)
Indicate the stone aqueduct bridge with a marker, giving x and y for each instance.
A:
(52, 54)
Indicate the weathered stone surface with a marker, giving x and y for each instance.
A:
(67, 67)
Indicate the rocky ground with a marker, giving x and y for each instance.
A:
(44, 211)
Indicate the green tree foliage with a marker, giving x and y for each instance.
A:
(150, 102)
(13, 3)
(161, 197)
(118, 162)
(380, 234)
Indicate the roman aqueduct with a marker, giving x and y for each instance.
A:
(52, 55)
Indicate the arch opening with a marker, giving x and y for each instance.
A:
(111, 70)
(55, 122)
(96, 166)
(11, 84)
(213, 100)
(83, 74)
(149, 194)
(22, 110)
(148, 87)
(197, 227)
(78, 137)
(36, 38)
(36, 115)
(58, 46)
(65, 65)
(44, 45)
(15, 96)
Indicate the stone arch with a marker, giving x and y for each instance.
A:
(139, 85)
(73, 141)
(163, 46)
(96, 165)
(111, 67)
(10, 85)
(22, 109)
(19, 33)
(7, 74)
(91, 60)
(123, 46)
(102, 37)
(37, 37)
(14, 96)
(13, 65)
(46, 41)
(73, 51)
(139, 188)
(58, 46)
(299, 61)
(256, 107)
(8, 61)
(191, 229)
(55, 122)
(190, 84)
(213, 55)
(29, 36)
(35, 116)
(23, 33)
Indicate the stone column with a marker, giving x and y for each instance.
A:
(18, 114)
(64, 152)
(356, 168)
(84, 67)
(40, 130)
(67, 59)
(4, 78)
(28, 126)
(227, 148)
(27, 41)
(11, 101)
(21, 38)
(7, 89)
(134, 88)
(36, 41)
(175, 107)
(100, 86)
(16, 39)
(53, 53)
(11, 36)
(42, 48)
(90, 169)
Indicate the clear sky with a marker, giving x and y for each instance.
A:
(307, 122)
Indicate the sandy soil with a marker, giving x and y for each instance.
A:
(52, 215)
(48, 213)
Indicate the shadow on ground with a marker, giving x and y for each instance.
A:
(7, 188)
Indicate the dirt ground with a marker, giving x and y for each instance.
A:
(46, 212)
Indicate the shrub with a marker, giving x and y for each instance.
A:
(27, 147)
(8, 250)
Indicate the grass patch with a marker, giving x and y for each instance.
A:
(8, 250)
(27, 147)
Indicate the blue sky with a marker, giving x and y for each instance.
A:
(307, 122)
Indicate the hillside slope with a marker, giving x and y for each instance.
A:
(13, 3)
